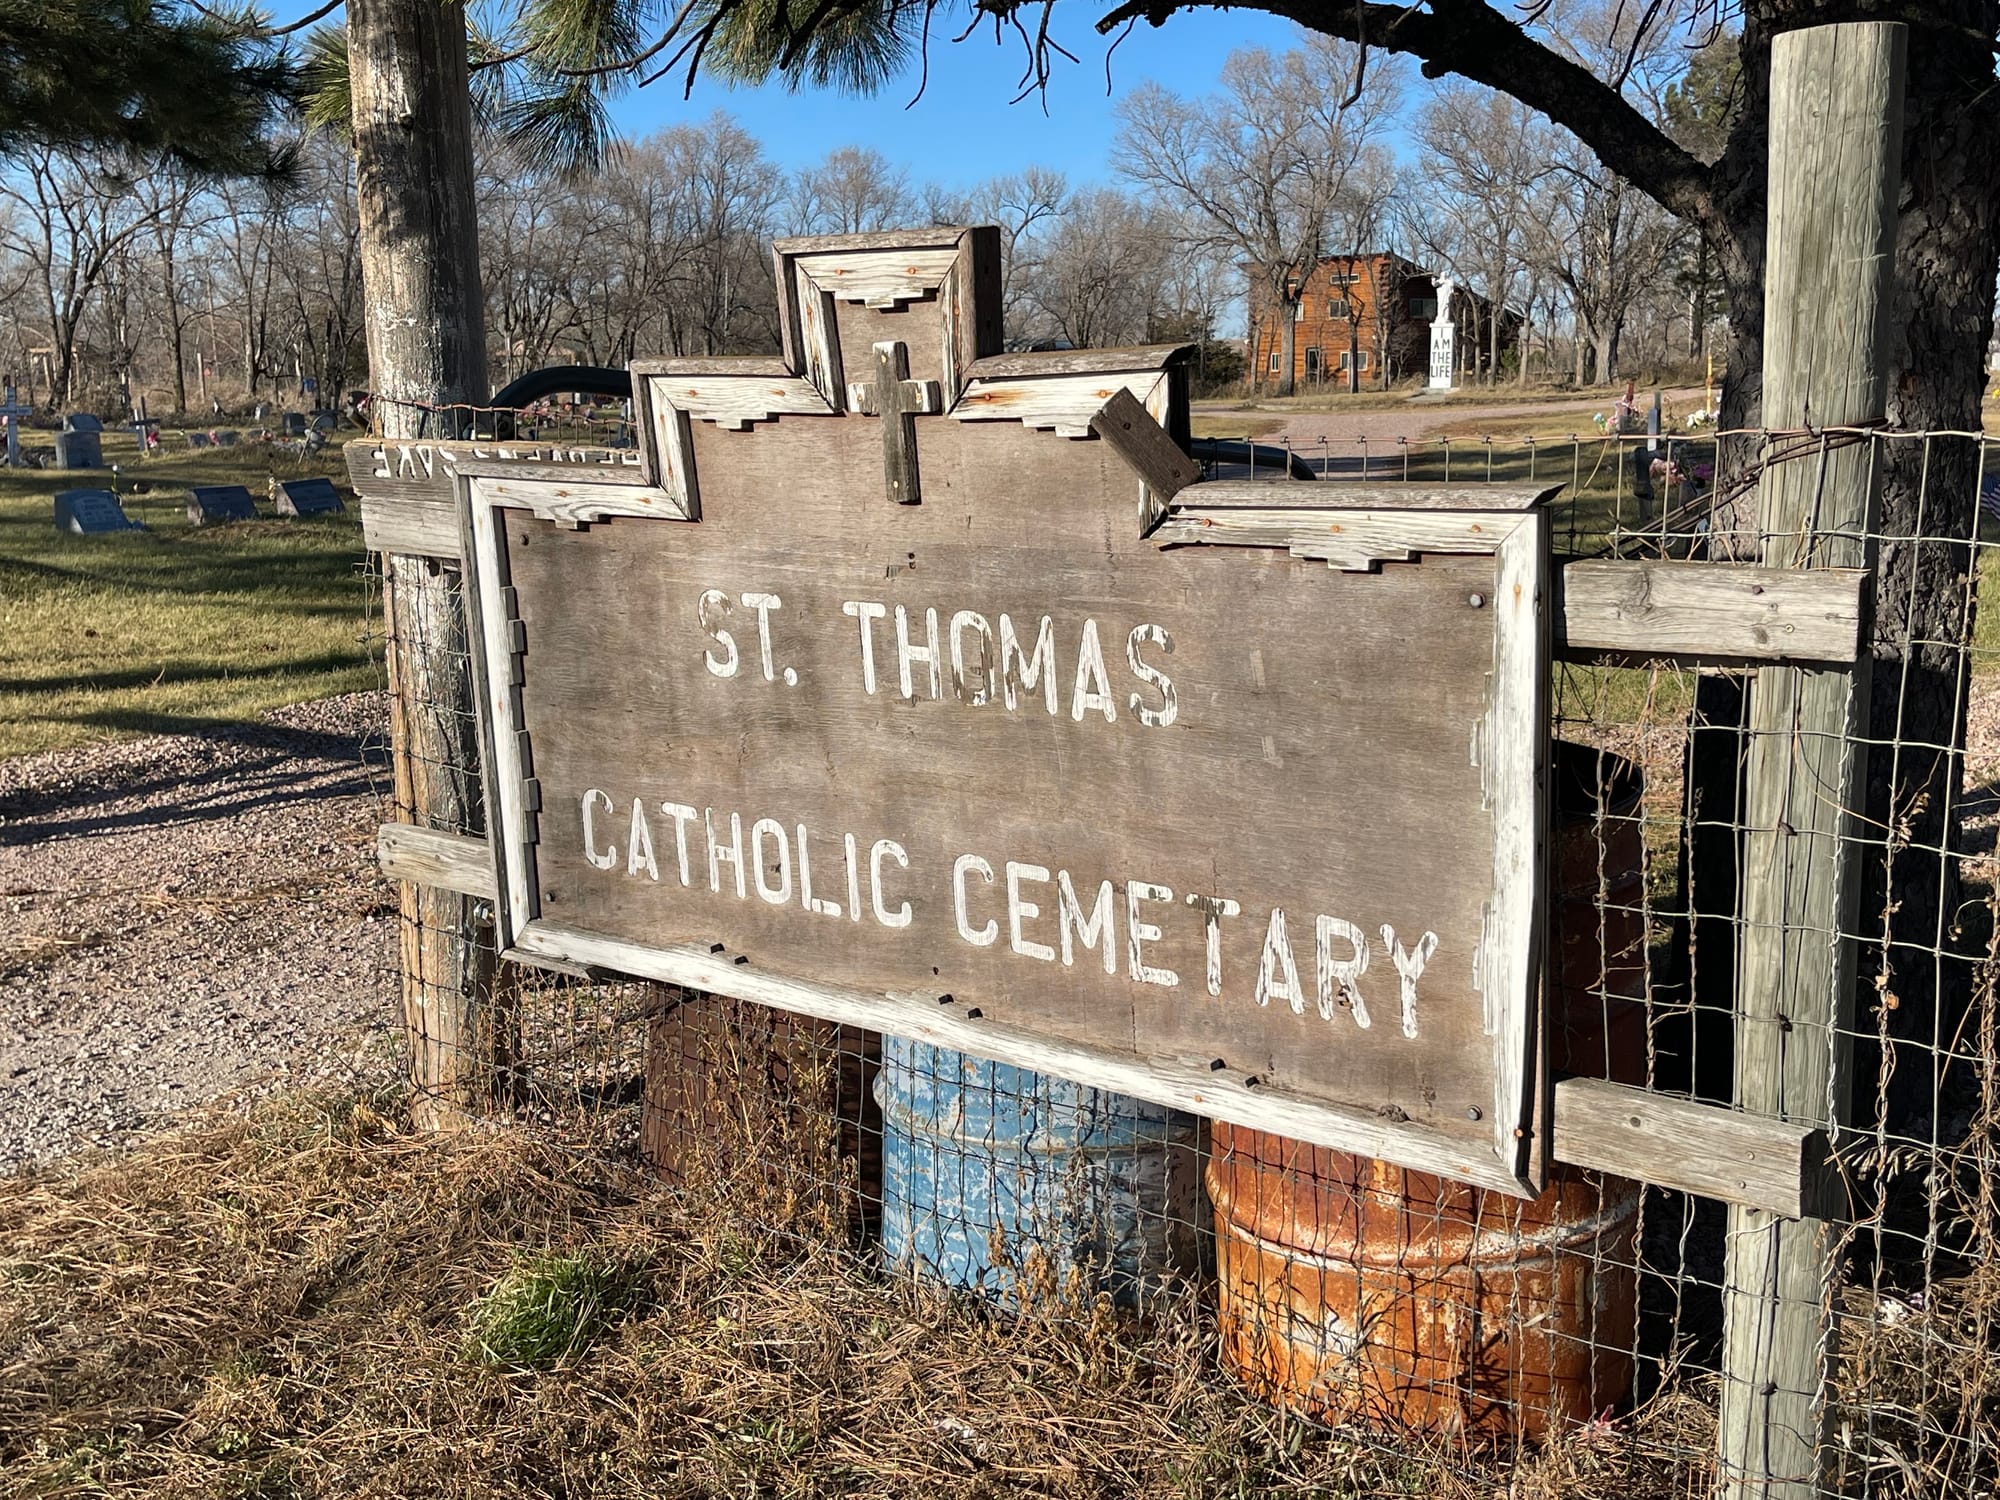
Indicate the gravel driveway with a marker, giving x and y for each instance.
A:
(189, 914)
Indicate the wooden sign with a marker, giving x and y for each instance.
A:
(911, 684)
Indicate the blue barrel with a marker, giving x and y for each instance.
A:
(1001, 1180)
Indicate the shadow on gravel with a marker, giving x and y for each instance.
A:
(215, 770)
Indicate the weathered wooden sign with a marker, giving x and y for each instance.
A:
(909, 683)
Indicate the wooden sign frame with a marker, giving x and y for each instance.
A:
(1130, 400)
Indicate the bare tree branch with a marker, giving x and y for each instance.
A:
(1475, 41)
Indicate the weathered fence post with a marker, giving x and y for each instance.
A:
(419, 258)
(448, 963)
(1836, 147)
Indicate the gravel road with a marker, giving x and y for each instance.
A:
(187, 915)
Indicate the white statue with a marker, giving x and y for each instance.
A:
(1444, 341)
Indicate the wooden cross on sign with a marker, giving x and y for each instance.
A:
(898, 401)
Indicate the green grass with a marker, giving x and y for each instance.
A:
(176, 628)
(546, 1310)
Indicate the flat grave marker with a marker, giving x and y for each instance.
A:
(306, 497)
(197, 440)
(212, 504)
(91, 513)
(228, 437)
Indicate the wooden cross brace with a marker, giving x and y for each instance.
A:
(898, 401)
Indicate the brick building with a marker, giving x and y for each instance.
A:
(1364, 324)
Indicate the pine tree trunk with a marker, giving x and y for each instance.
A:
(419, 253)
(419, 238)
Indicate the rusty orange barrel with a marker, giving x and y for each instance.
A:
(757, 1104)
(1354, 1290)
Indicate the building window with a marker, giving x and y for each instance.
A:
(1423, 307)
(1274, 361)
(1350, 360)
(1336, 309)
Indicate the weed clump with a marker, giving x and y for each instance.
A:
(546, 1311)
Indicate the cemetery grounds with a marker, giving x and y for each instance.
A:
(290, 1293)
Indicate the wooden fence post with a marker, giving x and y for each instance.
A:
(457, 1041)
(1836, 152)
(419, 249)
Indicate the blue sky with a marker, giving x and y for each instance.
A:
(963, 129)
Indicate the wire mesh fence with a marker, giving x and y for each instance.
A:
(1462, 1327)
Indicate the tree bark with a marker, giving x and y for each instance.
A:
(419, 234)
(1288, 343)
(419, 253)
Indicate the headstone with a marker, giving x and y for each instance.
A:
(89, 512)
(11, 411)
(197, 439)
(292, 424)
(1047, 756)
(1444, 340)
(80, 444)
(210, 504)
(228, 437)
(306, 497)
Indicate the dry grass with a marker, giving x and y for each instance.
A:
(296, 1301)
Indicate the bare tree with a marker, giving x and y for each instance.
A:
(1096, 278)
(1024, 205)
(318, 271)
(1600, 239)
(249, 235)
(1487, 160)
(851, 191)
(66, 217)
(174, 208)
(529, 252)
(720, 298)
(1262, 166)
